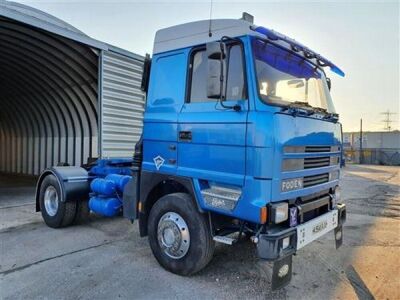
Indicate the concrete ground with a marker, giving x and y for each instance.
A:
(106, 258)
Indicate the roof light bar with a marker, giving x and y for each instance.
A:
(297, 47)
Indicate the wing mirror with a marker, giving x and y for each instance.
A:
(216, 53)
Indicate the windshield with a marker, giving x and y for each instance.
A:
(284, 78)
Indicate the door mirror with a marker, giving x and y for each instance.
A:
(328, 82)
(216, 53)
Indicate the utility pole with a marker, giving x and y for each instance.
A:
(387, 121)
(361, 152)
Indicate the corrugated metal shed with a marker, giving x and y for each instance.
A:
(373, 139)
(64, 97)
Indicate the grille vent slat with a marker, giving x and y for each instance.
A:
(312, 149)
(315, 179)
(316, 162)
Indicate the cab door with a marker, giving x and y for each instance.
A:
(211, 138)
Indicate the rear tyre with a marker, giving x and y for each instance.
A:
(179, 236)
(55, 213)
(82, 212)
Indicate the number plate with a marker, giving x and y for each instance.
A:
(314, 229)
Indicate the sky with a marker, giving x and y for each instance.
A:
(362, 38)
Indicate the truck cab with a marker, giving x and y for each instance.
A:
(240, 138)
(244, 115)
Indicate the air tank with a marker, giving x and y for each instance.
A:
(119, 180)
(108, 207)
(103, 186)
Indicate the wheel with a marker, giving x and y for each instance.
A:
(82, 212)
(54, 212)
(179, 236)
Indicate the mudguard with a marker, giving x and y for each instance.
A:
(74, 183)
(130, 197)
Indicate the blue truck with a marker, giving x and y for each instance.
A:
(240, 139)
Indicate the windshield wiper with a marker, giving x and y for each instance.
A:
(299, 107)
(304, 108)
(332, 116)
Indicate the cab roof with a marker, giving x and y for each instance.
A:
(197, 33)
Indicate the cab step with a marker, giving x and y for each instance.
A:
(224, 240)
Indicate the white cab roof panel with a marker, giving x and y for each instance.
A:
(196, 33)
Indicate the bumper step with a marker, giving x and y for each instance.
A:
(224, 239)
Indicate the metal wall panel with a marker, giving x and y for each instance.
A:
(122, 104)
(53, 93)
(48, 99)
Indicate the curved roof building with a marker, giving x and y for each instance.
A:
(64, 97)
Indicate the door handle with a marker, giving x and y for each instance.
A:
(185, 136)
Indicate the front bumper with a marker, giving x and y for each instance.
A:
(270, 245)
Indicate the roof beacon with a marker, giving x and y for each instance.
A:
(248, 17)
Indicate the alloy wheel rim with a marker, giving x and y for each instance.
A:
(51, 200)
(173, 235)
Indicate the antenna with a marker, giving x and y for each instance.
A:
(387, 121)
(209, 28)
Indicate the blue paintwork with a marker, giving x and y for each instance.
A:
(240, 149)
(109, 177)
(103, 187)
(108, 207)
(103, 167)
(119, 181)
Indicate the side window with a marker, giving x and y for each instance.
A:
(198, 88)
(235, 87)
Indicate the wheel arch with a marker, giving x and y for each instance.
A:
(153, 186)
(73, 181)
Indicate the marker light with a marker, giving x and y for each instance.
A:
(337, 194)
(263, 215)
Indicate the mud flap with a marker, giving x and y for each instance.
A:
(130, 199)
(281, 272)
(338, 235)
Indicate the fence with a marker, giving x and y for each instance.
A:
(389, 157)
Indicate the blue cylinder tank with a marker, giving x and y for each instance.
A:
(119, 180)
(108, 207)
(103, 186)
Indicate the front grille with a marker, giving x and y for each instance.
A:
(312, 149)
(314, 196)
(316, 162)
(315, 179)
(312, 206)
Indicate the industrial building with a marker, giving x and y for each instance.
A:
(377, 147)
(64, 97)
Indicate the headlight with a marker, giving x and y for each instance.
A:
(279, 212)
(292, 184)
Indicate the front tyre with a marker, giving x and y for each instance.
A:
(179, 235)
(55, 213)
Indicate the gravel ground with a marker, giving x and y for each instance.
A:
(106, 258)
